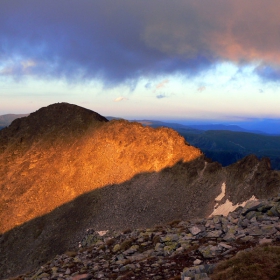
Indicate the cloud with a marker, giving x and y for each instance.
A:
(123, 41)
(201, 88)
(161, 95)
(148, 85)
(121, 98)
(18, 68)
(162, 84)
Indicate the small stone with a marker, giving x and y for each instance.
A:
(251, 206)
(275, 210)
(100, 275)
(250, 215)
(123, 268)
(254, 231)
(116, 248)
(253, 220)
(82, 277)
(197, 262)
(195, 230)
(95, 268)
(159, 247)
(214, 234)
(216, 219)
(180, 249)
(54, 269)
(224, 245)
(247, 238)
(229, 237)
(265, 241)
(268, 230)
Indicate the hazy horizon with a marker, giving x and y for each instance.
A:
(165, 60)
(269, 126)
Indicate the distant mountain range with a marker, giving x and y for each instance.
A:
(6, 120)
(200, 127)
(224, 127)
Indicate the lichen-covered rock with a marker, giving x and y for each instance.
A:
(116, 248)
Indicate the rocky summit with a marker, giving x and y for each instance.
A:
(186, 250)
(64, 169)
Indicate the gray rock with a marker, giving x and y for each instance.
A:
(197, 262)
(268, 230)
(195, 230)
(214, 234)
(265, 241)
(224, 245)
(251, 206)
(229, 237)
(276, 209)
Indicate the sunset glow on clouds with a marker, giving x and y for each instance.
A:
(179, 59)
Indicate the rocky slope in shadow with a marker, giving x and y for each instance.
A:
(178, 250)
(64, 169)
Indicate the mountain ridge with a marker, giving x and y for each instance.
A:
(80, 153)
(65, 168)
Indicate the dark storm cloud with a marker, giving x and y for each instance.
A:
(121, 41)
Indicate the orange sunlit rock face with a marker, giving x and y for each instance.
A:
(62, 151)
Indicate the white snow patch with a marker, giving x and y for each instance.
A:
(227, 207)
(222, 194)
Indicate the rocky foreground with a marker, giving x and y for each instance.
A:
(181, 250)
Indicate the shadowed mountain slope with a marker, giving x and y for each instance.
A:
(64, 169)
(181, 192)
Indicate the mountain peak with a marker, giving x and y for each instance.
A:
(60, 115)
(49, 124)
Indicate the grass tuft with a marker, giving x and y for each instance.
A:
(261, 262)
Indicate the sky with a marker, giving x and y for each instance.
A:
(181, 60)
